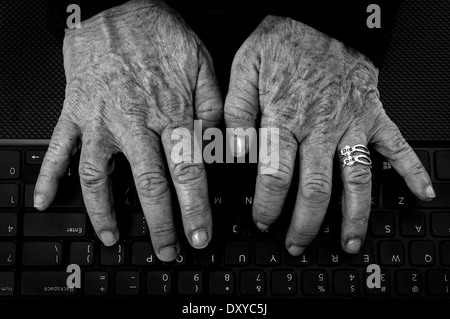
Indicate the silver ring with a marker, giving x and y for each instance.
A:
(350, 155)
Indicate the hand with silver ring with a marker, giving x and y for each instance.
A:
(323, 97)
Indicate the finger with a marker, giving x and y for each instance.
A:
(94, 169)
(272, 186)
(189, 178)
(316, 163)
(145, 155)
(241, 103)
(208, 100)
(356, 197)
(62, 146)
(390, 143)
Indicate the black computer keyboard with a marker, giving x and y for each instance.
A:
(407, 238)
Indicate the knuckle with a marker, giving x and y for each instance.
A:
(418, 169)
(359, 220)
(152, 185)
(303, 235)
(194, 212)
(316, 188)
(91, 174)
(264, 213)
(164, 233)
(279, 182)
(359, 177)
(188, 173)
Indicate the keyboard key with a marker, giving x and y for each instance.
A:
(442, 159)
(6, 283)
(54, 224)
(45, 283)
(190, 282)
(7, 253)
(221, 282)
(391, 253)
(136, 225)
(374, 202)
(445, 253)
(408, 283)
(424, 158)
(112, 256)
(159, 282)
(442, 199)
(384, 284)
(236, 253)
(412, 224)
(382, 224)
(8, 224)
(440, 224)
(422, 253)
(398, 196)
(9, 164)
(68, 196)
(180, 260)
(127, 283)
(82, 253)
(346, 282)
(267, 253)
(438, 282)
(315, 282)
(125, 196)
(232, 224)
(207, 256)
(142, 254)
(364, 257)
(41, 253)
(34, 157)
(96, 283)
(253, 282)
(329, 253)
(284, 282)
(302, 260)
(9, 195)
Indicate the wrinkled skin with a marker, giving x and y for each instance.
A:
(134, 74)
(322, 96)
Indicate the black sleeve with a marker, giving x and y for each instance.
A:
(343, 20)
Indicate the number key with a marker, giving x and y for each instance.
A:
(315, 282)
(284, 282)
(8, 224)
(346, 282)
(159, 282)
(190, 282)
(253, 282)
(221, 282)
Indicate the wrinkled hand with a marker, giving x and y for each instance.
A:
(322, 96)
(134, 74)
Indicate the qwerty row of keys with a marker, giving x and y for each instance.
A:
(238, 254)
(255, 282)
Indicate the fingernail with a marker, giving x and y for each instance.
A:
(39, 201)
(200, 239)
(240, 146)
(262, 227)
(296, 250)
(353, 246)
(108, 238)
(168, 253)
(430, 191)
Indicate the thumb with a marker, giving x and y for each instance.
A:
(208, 100)
(242, 102)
